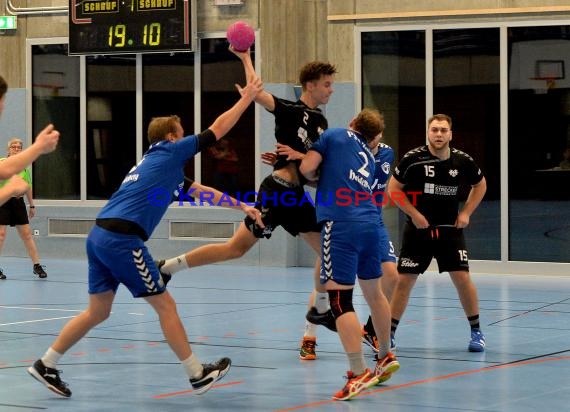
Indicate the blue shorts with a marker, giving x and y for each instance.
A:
(351, 249)
(116, 258)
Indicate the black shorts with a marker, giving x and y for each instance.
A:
(283, 204)
(14, 212)
(420, 246)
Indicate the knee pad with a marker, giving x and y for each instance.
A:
(341, 301)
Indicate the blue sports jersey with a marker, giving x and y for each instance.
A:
(344, 189)
(383, 160)
(151, 185)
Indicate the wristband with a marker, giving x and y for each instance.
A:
(32, 207)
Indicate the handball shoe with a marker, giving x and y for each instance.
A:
(212, 373)
(50, 378)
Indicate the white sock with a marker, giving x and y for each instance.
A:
(310, 329)
(193, 367)
(51, 358)
(322, 302)
(176, 264)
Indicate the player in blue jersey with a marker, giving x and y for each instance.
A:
(434, 227)
(352, 241)
(117, 253)
(383, 159)
(45, 142)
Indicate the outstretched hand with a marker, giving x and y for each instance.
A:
(47, 139)
(254, 86)
(240, 54)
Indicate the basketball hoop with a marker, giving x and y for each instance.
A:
(549, 83)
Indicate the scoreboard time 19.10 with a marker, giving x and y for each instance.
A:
(131, 26)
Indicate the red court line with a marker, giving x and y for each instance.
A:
(171, 394)
(428, 380)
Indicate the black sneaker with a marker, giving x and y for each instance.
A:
(2, 275)
(325, 319)
(165, 276)
(39, 271)
(50, 378)
(213, 372)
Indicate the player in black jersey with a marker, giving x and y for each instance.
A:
(431, 176)
(297, 126)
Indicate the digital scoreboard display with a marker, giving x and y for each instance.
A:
(131, 26)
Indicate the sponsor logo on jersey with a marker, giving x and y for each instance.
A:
(359, 179)
(433, 189)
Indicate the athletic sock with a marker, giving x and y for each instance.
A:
(176, 264)
(394, 326)
(193, 367)
(356, 361)
(310, 329)
(322, 302)
(384, 349)
(474, 321)
(51, 358)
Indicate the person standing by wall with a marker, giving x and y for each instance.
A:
(14, 213)
(434, 226)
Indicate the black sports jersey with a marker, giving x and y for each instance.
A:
(438, 182)
(297, 126)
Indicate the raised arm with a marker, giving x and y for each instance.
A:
(228, 119)
(46, 141)
(263, 98)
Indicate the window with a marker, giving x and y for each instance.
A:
(55, 99)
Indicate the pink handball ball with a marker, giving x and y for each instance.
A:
(240, 35)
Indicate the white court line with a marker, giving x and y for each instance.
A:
(34, 321)
(28, 308)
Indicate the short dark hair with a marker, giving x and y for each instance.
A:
(314, 71)
(3, 87)
(159, 127)
(369, 123)
(440, 117)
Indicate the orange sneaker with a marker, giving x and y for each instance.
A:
(307, 351)
(355, 385)
(385, 367)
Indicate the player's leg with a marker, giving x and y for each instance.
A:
(240, 243)
(452, 257)
(25, 233)
(415, 256)
(467, 293)
(386, 362)
(349, 256)
(202, 376)
(388, 283)
(45, 369)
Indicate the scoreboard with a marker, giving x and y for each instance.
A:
(131, 26)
